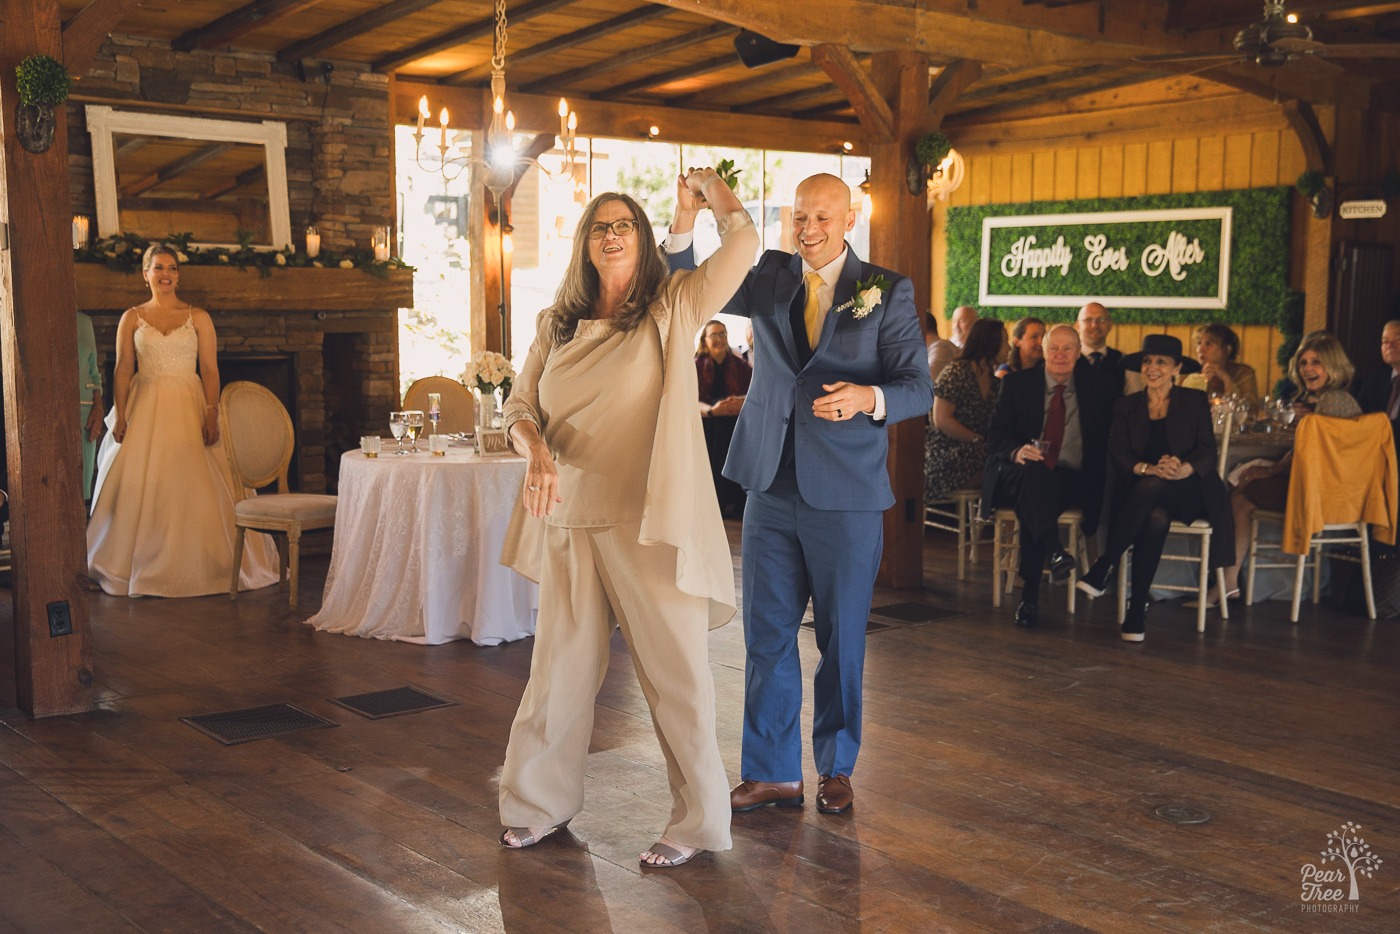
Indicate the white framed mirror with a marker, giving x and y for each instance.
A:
(157, 174)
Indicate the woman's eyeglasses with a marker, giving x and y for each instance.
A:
(621, 227)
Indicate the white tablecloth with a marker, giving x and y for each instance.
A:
(417, 550)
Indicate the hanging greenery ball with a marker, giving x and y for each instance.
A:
(42, 79)
(1311, 182)
(932, 148)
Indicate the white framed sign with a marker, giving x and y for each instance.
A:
(1168, 258)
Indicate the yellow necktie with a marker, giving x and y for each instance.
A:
(811, 311)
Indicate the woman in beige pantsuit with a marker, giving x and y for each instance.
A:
(623, 526)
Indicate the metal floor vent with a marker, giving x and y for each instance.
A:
(915, 614)
(243, 726)
(391, 703)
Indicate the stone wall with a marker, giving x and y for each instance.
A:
(339, 169)
(339, 177)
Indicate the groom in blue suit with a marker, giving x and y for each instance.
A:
(838, 356)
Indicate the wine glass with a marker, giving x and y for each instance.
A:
(434, 410)
(413, 427)
(397, 426)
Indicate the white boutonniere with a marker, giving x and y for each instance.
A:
(868, 295)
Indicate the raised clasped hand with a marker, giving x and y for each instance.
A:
(693, 182)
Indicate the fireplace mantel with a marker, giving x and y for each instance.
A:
(230, 289)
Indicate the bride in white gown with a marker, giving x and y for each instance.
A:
(162, 512)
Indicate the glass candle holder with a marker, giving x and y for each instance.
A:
(313, 242)
(437, 445)
(370, 445)
(80, 231)
(379, 241)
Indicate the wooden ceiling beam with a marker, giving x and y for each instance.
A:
(470, 32)
(570, 78)
(351, 28)
(1195, 16)
(1235, 113)
(872, 110)
(786, 102)
(538, 114)
(667, 77)
(948, 87)
(1077, 99)
(747, 83)
(84, 34)
(255, 15)
(1303, 119)
(1003, 32)
(570, 40)
(246, 177)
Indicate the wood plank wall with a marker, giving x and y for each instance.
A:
(1167, 166)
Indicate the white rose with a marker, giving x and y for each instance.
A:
(280, 260)
(346, 264)
(223, 257)
(182, 257)
(870, 297)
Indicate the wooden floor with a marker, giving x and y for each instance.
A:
(1008, 781)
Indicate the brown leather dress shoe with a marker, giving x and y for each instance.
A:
(834, 794)
(749, 796)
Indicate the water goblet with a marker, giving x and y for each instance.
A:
(413, 427)
(397, 426)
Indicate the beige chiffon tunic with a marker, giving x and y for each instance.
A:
(618, 411)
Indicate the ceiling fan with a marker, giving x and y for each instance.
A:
(1280, 39)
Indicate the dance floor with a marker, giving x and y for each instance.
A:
(1047, 780)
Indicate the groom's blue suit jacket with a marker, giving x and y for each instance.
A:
(840, 465)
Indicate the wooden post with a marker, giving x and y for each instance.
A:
(900, 233)
(39, 351)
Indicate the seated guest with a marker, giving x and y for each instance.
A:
(1026, 352)
(1132, 371)
(1380, 392)
(1216, 348)
(1046, 452)
(1163, 448)
(724, 379)
(942, 352)
(1321, 367)
(964, 400)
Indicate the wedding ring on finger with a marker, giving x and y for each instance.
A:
(533, 489)
(838, 414)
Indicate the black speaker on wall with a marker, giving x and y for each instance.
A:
(755, 50)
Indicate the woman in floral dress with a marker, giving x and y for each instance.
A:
(964, 400)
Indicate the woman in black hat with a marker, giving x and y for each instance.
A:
(1163, 445)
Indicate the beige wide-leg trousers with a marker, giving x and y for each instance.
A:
(593, 577)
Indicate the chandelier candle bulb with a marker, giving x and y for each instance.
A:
(442, 141)
(422, 116)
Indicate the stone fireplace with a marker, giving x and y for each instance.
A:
(324, 341)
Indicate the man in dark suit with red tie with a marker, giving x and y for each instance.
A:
(1063, 407)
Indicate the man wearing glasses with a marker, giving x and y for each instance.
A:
(839, 354)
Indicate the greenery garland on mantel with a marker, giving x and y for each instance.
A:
(122, 252)
(1258, 257)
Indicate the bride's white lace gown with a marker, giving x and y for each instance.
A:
(162, 513)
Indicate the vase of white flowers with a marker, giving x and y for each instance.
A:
(489, 375)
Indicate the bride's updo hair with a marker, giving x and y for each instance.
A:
(158, 249)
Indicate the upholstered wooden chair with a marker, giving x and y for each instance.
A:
(258, 437)
(458, 403)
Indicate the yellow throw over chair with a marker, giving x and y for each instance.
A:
(458, 403)
(1341, 490)
(258, 437)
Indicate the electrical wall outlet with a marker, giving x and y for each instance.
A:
(60, 619)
